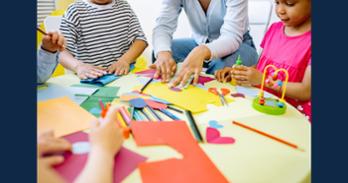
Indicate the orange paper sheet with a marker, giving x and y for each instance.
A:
(195, 165)
(63, 116)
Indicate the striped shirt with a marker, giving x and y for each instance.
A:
(100, 34)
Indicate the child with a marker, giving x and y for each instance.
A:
(103, 36)
(47, 55)
(106, 140)
(287, 44)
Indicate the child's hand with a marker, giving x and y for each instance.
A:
(223, 75)
(85, 71)
(106, 136)
(119, 68)
(48, 144)
(53, 42)
(246, 75)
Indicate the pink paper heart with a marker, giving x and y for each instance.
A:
(213, 136)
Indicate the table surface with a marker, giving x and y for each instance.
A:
(252, 158)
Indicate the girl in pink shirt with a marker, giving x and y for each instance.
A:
(287, 44)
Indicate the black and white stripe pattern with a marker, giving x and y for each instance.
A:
(100, 36)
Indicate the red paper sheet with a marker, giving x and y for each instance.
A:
(195, 165)
(126, 161)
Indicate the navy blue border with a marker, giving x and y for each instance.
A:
(18, 91)
(329, 98)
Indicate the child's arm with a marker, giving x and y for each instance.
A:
(106, 140)
(301, 90)
(82, 70)
(121, 66)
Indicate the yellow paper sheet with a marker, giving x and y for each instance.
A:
(63, 116)
(192, 98)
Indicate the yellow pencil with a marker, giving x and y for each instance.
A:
(120, 119)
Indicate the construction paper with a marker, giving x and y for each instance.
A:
(155, 105)
(126, 161)
(56, 91)
(215, 124)
(63, 116)
(195, 166)
(81, 147)
(192, 98)
(101, 81)
(138, 103)
(83, 90)
(241, 95)
(92, 104)
(147, 73)
(213, 136)
(251, 92)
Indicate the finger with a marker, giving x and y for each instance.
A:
(196, 77)
(173, 69)
(217, 75)
(54, 146)
(168, 71)
(98, 72)
(54, 38)
(241, 67)
(242, 83)
(158, 72)
(163, 71)
(111, 69)
(52, 160)
(60, 41)
(177, 80)
(90, 75)
(152, 66)
(186, 78)
(126, 70)
(228, 78)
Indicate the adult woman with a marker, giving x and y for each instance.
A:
(219, 34)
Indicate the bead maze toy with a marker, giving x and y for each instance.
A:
(271, 105)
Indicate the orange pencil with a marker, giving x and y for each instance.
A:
(268, 135)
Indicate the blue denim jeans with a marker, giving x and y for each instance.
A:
(247, 51)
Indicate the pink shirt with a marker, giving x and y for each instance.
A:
(291, 53)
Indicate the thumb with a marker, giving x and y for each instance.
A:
(53, 160)
(152, 66)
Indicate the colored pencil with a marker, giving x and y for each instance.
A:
(169, 114)
(125, 115)
(120, 119)
(194, 126)
(174, 109)
(143, 113)
(154, 113)
(267, 135)
(147, 83)
(41, 31)
(137, 116)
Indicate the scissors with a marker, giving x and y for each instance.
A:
(224, 92)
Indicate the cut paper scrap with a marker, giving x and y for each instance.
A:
(195, 166)
(251, 92)
(63, 116)
(92, 104)
(192, 98)
(215, 124)
(126, 161)
(213, 136)
(240, 95)
(83, 90)
(101, 81)
(204, 79)
(218, 85)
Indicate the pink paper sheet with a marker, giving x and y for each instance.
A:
(126, 161)
(213, 136)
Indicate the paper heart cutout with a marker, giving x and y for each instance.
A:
(215, 124)
(213, 136)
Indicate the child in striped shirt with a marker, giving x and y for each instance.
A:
(103, 36)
